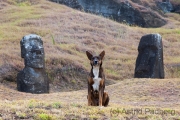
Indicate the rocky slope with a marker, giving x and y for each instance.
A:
(133, 12)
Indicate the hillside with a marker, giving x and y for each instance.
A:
(67, 34)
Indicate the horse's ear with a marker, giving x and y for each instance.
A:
(102, 54)
(89, 55)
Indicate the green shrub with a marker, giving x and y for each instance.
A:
(44, 116)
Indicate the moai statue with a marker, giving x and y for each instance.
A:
(149, 63)
(33, 78)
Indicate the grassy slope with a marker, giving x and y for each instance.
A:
(159, 96)
(67, 34)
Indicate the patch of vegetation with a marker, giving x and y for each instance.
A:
(44, 116)
(56, 105)
(23, 3)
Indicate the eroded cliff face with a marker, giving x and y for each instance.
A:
(165, 6)
(70, 3)
(176, 6)
(121, 12)
(127, 11)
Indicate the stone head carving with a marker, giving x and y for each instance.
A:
(149, 63)
(33, 78)
(32, 51)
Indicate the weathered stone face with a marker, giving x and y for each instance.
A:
(149, 63)
(33, 77)
(32, 51)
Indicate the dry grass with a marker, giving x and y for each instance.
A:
(157, 99)
(175, 1)
(67, 34)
